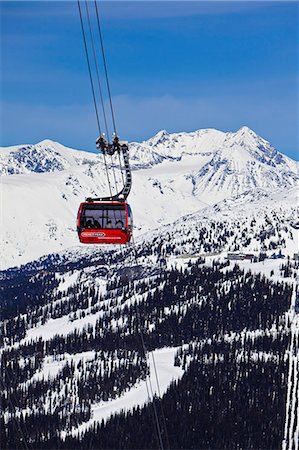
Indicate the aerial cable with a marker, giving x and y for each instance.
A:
(93, 90)
(97, 69)
(156, 373)
(99, 83)
(89, 68)
(105, 66)
(161, 406)
(148, 383)
(153, 410)
(107, 81)
(100, 87)
(145, 351)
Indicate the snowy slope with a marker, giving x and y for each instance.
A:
(64, 314)
(174, 175)
(42, 209)
(137, 395)
(256, 221)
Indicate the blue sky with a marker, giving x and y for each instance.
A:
(178, 66)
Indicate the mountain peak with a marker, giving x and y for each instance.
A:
(45, 156)
(47, 143)
(246, 132)
(247, 138)
(162, 133)
(245, 129)
(159, 138)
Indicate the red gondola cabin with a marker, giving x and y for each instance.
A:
(105, 223)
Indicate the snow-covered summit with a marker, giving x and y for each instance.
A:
(241, 145)
(235, 150)
(231, 152)
(174, 146)
(217, 164)
(45, 156)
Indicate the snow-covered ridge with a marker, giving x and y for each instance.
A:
(240, 147)
(174, 175)
(256, 221)
(214, 164)
(45, 156)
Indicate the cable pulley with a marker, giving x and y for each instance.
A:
(121, 148)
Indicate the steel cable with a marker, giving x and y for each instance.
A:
(97, 69)
(89, 68)
(93, 90)
(148, 382)
(105, 66)
(99, 84)
(155, 371)
(107, 81)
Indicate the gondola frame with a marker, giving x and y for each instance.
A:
(105, 235)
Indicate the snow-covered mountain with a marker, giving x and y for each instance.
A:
(255, 222)
(46, 156)
(174, 175)
(70, 331)
(219, 164)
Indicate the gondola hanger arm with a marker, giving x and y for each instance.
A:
(121, 147)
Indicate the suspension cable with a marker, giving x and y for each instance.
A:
(105, 66)
(150, 387)
(148, 382)
(155, 372)
(159, 392)
(107, 80)
(89, 68)
(153, 409)
(93, 90)
(97, 68)
(99, 84)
